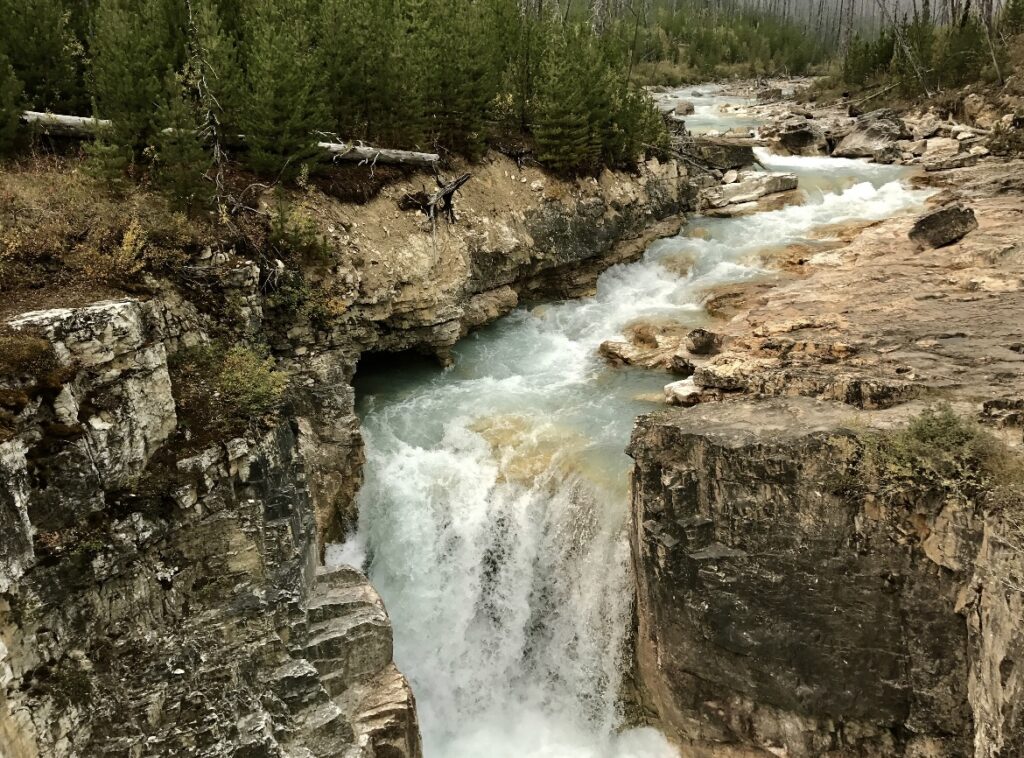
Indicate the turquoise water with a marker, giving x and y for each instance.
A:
(493, 515)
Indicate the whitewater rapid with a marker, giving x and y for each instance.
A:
(493, 514)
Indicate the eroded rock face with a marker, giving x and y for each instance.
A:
(778, 612)
(170, 605)
(163, 598)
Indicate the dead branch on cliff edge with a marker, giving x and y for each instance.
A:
(442, 199)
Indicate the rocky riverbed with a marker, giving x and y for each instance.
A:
(163, 589)
(782, 611)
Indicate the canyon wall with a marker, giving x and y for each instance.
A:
(791, 601)
(161, 591)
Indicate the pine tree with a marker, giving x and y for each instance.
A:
(214, 72)
(10, 105)
(132, 52)
(284, 103)
(356, 52)
(564, 125)
(1011, 20)
(45, 54)
(179, 159)
(464, 72)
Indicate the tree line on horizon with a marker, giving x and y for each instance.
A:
(180, 80)
(932, 48)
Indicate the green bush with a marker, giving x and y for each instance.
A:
(226, 391)
(939, 455)
(249, 384)
(1006, 140)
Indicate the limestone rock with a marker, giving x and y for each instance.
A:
(749, 187)
(888, 154)
(738, 518)
(872, 132)
(963, 160)
(802, 137)
(941, 147)
(944, 226)
(702, 342)
(725, 153)
(684, 393)
(683, 108)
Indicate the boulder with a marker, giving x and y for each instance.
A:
(683, 392)
(871, 132)
(941, 147)
(798, 136)
(703, 342)
(730, 176)
(769, 95)
(680, 364)
(684, 108)
(917, 147)
(944, 226)
(890, 153)
(928, 125)
(945, 164)
(979, 112)
(749, 187)
(725, 153)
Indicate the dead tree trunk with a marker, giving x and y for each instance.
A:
(442, 200)
(84, 128)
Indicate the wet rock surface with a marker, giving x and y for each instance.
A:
(871, 132)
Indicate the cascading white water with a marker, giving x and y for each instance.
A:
(496, 496)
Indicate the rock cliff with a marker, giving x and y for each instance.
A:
(162, 591)
(783, 613)
(790, 602)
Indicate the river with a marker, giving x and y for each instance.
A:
(492, 519)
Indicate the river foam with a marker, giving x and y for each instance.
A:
(495, 502)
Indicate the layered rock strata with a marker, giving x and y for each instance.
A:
(780, 613)
(162, 593)
(784, 607)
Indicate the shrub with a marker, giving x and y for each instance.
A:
(25, 354)
(1006, 140)
(939, 455)
(226, 391)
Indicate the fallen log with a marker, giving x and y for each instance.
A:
(340, 151)
(65, 126)
(83, 127)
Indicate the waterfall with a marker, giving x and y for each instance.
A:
(496, 497)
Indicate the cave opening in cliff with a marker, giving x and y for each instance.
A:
(384, 372)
